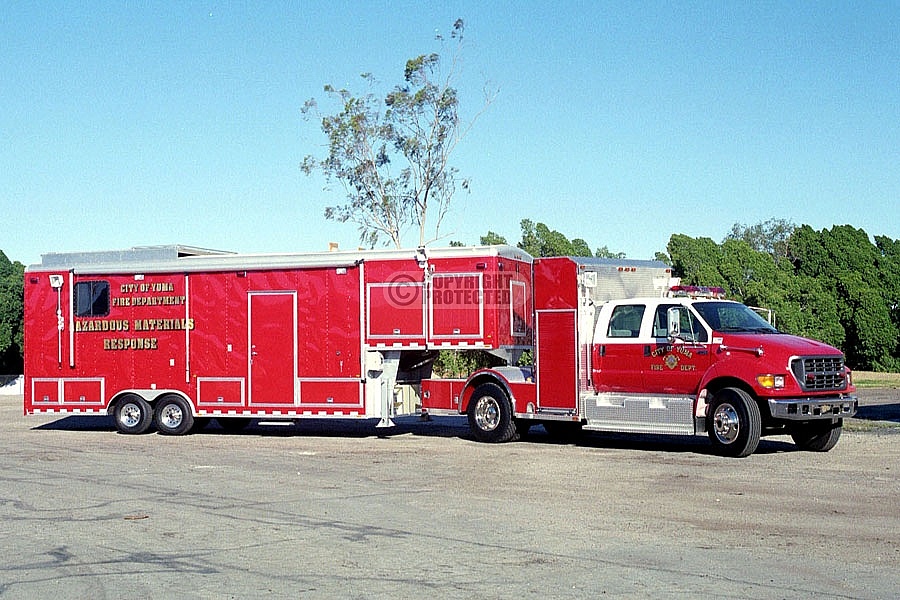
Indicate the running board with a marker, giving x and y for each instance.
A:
(639, 413)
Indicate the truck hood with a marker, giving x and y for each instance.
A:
(783, 342)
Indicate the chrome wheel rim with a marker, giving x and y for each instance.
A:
(726, 423)
(171, 416)
(130, 415)
(487, 413)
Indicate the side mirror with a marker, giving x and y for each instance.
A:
(673, 316)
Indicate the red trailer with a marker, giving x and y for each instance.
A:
(172, 334)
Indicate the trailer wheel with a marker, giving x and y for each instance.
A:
(490, 414)
(133, 415)
(818, 437)
(734, 423)
(173, 416)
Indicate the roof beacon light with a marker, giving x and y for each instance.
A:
(696, 291)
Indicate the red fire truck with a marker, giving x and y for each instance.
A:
(171, 336)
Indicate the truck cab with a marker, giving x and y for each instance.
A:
(736, 374)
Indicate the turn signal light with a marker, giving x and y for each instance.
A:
(771, 382)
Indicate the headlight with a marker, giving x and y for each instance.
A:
(771, 382)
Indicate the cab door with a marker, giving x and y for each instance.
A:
(618, 355)
(676, 366)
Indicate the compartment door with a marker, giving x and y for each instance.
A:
(557, 368)
(456, 307)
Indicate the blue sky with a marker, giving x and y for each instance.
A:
(134, 123)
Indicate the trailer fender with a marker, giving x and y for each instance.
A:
(508, 378)
(151, 396)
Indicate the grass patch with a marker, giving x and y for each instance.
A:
(870, 379)
(862, 425)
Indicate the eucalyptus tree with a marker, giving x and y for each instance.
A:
(392, 155)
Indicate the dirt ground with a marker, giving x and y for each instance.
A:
(340, 509)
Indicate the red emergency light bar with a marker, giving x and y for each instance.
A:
(697, 291)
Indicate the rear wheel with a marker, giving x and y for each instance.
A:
(818, 436)
(734, 423)
(133, 415)
(173, 416)
(490, 414)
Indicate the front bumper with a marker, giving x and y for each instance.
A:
(805, 409)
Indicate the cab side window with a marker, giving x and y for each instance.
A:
(691, 329)
(625, 321)
(91, 299)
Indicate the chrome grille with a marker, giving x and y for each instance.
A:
(818, 373)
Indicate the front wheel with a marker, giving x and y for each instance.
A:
(818, 436)
(173, 416)
(734, 423)
(133, 415)
(490, 414)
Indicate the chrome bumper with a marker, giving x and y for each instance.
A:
(805, 409)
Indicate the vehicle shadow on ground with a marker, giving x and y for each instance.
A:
(444, 427)
(78, 423)
(879, 412)
(674, 444)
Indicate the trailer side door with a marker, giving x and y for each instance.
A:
(272, 330)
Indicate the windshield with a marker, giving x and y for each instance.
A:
(732, 317)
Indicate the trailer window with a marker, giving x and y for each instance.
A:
(91, 299)
(625, 321)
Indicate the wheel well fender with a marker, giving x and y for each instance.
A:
(713, 386)
(478, 379)
(151, 397)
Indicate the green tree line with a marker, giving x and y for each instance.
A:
(833, 285)
(12, 314)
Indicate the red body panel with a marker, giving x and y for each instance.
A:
(555, 283)
(442, 395)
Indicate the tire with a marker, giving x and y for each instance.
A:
(133, 415)
(233, 424)
(818, 436)
(490, 415)
(734, 423)
(173, 416)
